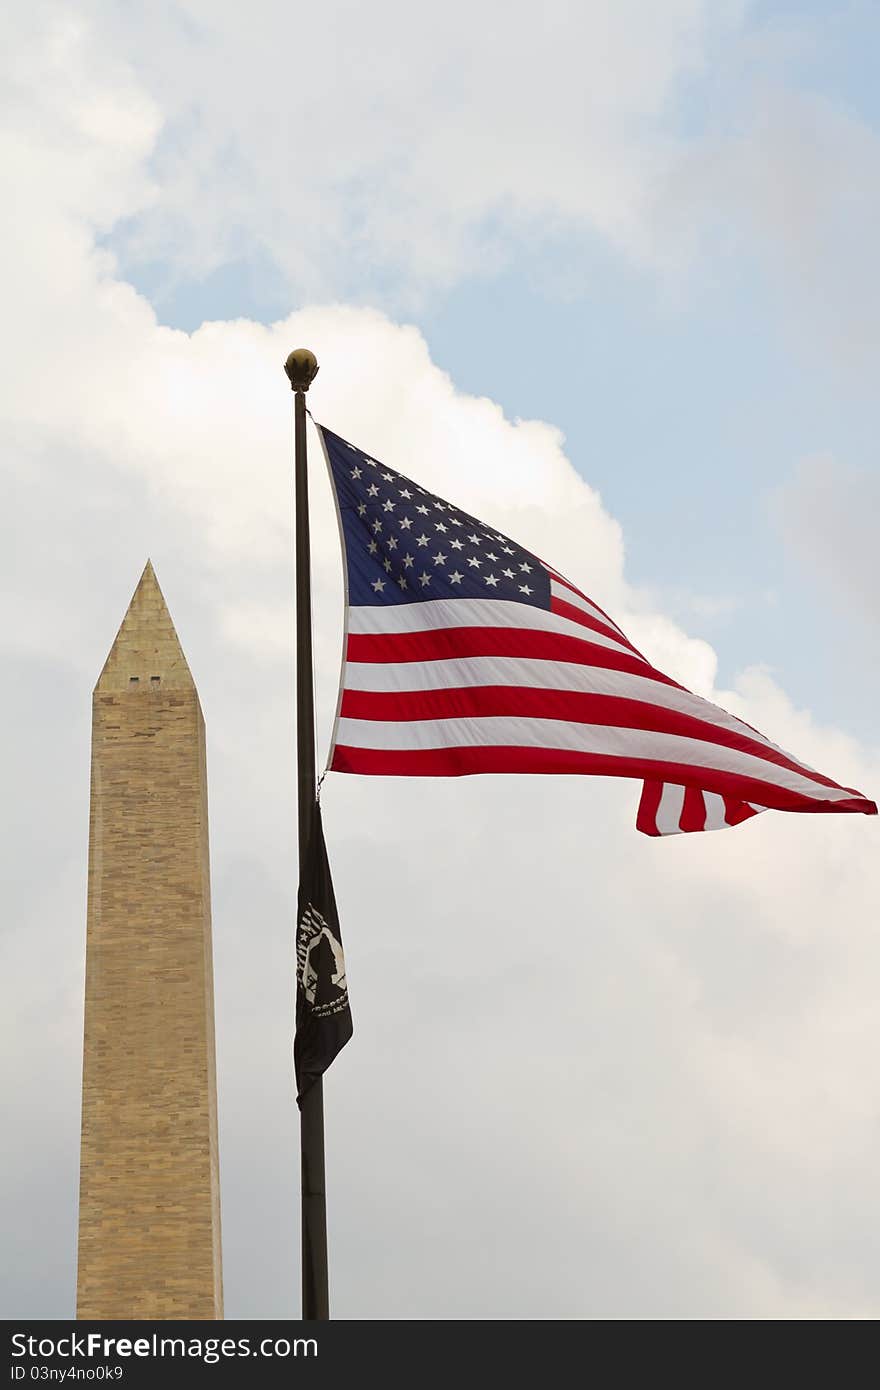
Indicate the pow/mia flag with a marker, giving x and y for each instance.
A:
(323, 1018)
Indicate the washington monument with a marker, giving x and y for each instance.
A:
(149, 1204)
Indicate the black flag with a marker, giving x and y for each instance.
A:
(323, 1017)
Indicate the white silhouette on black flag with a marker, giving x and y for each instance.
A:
(323, 1017)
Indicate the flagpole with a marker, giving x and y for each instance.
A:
(301, 368)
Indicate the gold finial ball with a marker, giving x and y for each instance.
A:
(302, 368)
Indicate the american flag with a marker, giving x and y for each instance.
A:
(465, 653)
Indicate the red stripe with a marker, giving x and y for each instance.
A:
(447, 643)
(573, 706)
(613, 629)
(736, 811)
(646, 820)
(560, 579)
(463, 762)
(693, 812)
(577, 615)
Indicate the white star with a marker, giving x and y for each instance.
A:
(507, 550)
(372, 490)
(402, 581)
(526, 569)
(422, 539)
(377, 526)
(424, 579)
(372, 547)
(392, 545)
(350, 446)
(455, 521)
(474, 562)
(407, 561)
(356, 472)
(490, 556)
(378, 585)
(406, 523)
(387, 564)
(439, 558)
(362, 509)
(524, 589)
(388, 478)
(389, 506)
(455, 577)
(440, 506)
(474, 539)
(405, 492)
(491, 580)
(423, 510)
(438, 526)
(372, 463)
(508, 574)
(456, 543)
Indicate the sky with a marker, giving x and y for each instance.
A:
(603, 275)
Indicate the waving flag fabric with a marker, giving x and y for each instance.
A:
(465, 653)
(323, 1015)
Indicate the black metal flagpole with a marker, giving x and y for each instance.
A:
(301, 368)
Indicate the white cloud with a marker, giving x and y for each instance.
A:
(592, 1075)
(361, 153)
(788, 183)
(828, 512)
(358, 145)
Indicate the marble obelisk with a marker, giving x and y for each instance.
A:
(149, 1206)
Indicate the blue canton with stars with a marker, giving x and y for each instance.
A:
(404, 545)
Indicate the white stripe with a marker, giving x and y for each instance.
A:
(578, 601)
(469, 612)
(493, 731)
(715, 811)
(669, 810)
(526, 673)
